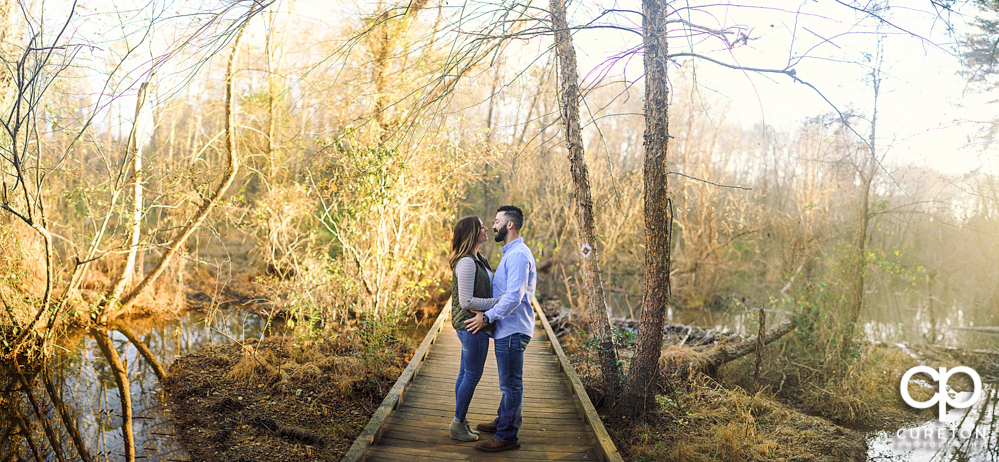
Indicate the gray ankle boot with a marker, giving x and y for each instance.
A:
(460, 432)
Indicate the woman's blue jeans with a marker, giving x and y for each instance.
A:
(474, 349)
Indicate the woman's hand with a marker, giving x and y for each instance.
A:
(475, 324)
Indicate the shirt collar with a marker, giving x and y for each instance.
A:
(519, 240)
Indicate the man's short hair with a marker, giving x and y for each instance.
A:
(514, 214)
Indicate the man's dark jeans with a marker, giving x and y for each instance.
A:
(510, 365)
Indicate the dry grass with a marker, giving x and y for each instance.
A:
(805, 394)
(715, 423)
(681, 361)
(21, 271)
(859, 390)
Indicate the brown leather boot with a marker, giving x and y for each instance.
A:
(495, 445)
(489, 427)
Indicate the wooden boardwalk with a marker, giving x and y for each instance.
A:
(412, 423)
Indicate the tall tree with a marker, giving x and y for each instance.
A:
(134, 148)
(658, 219)
(867, 168)
(596, 304)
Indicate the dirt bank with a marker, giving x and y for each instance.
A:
(280, 400)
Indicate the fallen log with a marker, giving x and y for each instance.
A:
(677, 364)
(679, 333)
(978, 329)
(290, 432)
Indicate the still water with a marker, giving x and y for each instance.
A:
(83, 380)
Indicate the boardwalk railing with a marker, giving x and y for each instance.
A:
(605, 446)
(417, 430)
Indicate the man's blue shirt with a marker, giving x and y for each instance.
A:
(516, 278)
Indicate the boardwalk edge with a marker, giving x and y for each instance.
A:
(373, 430)
(605, 445)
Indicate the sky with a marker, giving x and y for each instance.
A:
(927, 114)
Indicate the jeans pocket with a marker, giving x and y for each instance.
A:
(524, 340)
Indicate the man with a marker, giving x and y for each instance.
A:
(515, 279)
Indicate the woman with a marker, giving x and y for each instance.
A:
(471, 294)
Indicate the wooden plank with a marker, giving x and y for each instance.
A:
(441, 417)
(467, 451)
(442, 380)
(568, 446)
(433, 391)
(533, 434)
(369, 435)
(478, 456)
(541, 390)
(605, 445)
(454, 359)
(565, 411)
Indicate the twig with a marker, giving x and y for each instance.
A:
(710, 182)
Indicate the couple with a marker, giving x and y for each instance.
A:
(485, 305)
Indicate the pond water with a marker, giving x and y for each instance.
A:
(84, 381)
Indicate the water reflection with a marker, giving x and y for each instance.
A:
(963, 435)
(74, 409)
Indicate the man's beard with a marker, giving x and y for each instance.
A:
(501, 234)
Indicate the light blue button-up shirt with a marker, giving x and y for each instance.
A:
(515, 279)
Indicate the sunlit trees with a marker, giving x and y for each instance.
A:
(64, 170)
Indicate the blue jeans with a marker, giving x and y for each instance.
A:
(510, 366)
(474, 349)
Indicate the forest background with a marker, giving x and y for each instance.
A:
(321, 156)
(361, 136)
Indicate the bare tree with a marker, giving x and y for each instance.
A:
(212, 200)
(596, 304)
(134, 146)
(867, 169)
(658, 217)
(24, 176)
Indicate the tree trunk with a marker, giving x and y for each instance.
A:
(858, 258)
(929, 308)
(380, 74)
(54, 441)
(858, 266)
(67, 419)
(645, 362)
(387, 33)
(121, 378)
(209, 203)
(272, 164)
(596, 305)
(135, 147)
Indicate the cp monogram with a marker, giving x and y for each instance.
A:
(941, 397)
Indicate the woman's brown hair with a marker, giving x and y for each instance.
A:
(463, 241)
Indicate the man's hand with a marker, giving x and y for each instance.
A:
(476, 324)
